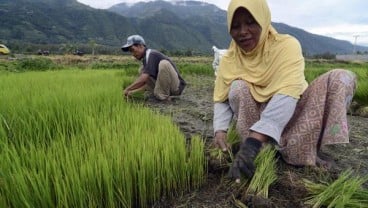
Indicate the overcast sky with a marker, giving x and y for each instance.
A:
(341, 19)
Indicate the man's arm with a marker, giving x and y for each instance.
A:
(137, 85)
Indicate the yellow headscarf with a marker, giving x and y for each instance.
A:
(276, 65)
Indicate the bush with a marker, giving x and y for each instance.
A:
(36, 64)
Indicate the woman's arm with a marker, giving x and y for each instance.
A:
(221, 121)
(274, 117)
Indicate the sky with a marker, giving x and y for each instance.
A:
(340, 19)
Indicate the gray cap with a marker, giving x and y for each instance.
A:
(131, 40)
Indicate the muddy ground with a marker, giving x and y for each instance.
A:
(193, 113)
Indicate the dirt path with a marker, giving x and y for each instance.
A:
(193, 112)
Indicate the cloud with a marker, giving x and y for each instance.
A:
(355, 33)
(314, 13)
(334, 18)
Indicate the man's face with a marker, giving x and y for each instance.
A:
(245, 30)
(137, 51)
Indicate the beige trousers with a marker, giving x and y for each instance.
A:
(167, 82)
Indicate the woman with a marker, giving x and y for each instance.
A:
(261, 85)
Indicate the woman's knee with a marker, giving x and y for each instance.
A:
(343, 79)
(344, 76)
(238, 88)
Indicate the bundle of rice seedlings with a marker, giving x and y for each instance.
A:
(265, 174)
(233, 137)
(221, 158)
(346, 191)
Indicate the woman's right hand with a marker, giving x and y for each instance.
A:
(220, 141)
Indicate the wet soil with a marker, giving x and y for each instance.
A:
(193, 113)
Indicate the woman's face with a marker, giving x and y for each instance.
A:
(245, 30)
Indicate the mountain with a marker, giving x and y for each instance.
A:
(165, 30)
(183, 9)
(214, 19)
(178, 25)
(317, 44)
(59, 22)
(175, 26)
(25, 23)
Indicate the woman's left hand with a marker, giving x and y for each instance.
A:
(244, 159)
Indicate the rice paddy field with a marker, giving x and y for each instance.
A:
(69, 139)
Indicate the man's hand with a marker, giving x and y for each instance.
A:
(220, 141)
(244, 159)
(126, 92)
(137, 85)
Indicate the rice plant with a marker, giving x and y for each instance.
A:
(265, 162)
(313, 70)
(224, 159)
(68, 139)
(361, 94)
(346, 191)
(265, 174)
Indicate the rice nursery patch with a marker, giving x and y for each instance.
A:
(68, 139)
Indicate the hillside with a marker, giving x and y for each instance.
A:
(183, 9)
(179, 25)
(195, 11)
(183, 26)
(317, 44)
(59, 22)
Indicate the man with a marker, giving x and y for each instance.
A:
(158, 74)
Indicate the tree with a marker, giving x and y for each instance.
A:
(92, 44)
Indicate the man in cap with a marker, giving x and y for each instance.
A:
(158, 74)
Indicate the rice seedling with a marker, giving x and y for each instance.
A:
(224, 159)
(68, 139)
(265, 162)
(196, 156)
(265, 174)
(198, 69)
(346, 191)
(361, 94)
(313, 70)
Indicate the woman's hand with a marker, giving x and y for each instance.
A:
(244, 159)
(220, 141)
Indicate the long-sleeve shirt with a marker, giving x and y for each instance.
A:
(273, 120)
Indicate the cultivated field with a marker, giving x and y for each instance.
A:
(68, 139)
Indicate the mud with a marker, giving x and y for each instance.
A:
(193, 113)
